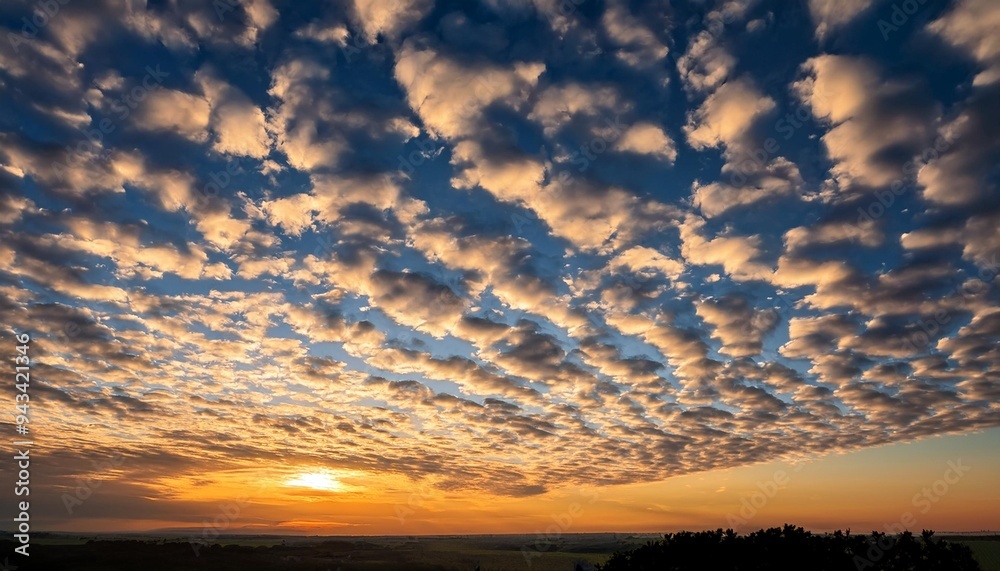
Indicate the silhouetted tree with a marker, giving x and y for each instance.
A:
(791, 548)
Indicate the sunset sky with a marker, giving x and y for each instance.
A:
(490, 266)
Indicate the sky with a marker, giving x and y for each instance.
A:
(415, 267)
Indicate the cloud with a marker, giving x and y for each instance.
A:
(969, 26)
(239, 125)
(779, 178)
(638, 45)
(705, 65)
(297, 116)
(730, 118)
(560, 105)
(378, 18)
(640, 258)
(317, 125)
(737, 325)
(450, 96)
(123, 245)
(866, 232)
(647, 139)
(336, 34)
(977, 237)
(183, 25)
(293, 213)
(175, 111)
(811, 337)
(831, 15)
(13, 208)
(586, 214)
(877, 126)
(416, 300)
(740, 256)
(960, 175)
(56, 277)
(727, 114)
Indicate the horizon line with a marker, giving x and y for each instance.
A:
(223, 534)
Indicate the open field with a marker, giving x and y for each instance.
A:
(497, 553)
(985, 549)
(457, 553)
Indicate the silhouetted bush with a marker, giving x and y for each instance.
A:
(794, 549)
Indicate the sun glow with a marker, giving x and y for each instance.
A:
(317, 481)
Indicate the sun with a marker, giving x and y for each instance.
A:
(317, 481)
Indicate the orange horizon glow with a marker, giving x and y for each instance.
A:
(824, 494)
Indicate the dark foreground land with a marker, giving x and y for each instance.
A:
(776, 549)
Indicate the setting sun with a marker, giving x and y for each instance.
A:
(316, 481)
